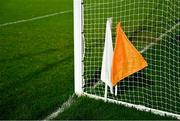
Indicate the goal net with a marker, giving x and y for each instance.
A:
(153, 27)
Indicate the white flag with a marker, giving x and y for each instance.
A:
(107, 56)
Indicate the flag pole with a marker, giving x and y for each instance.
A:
(105, 92)
(116, 90)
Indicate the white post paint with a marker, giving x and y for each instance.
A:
(78, 47)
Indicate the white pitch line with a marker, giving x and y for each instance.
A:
(69, 102)
(35, 18)
(147, 47)
(159, 38)
(61, 109)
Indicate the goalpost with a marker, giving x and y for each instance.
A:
(153, 26)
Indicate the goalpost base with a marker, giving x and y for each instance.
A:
(138, 107)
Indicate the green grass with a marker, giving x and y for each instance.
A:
(90, 109)
(36, 64)
(13, 10)
(36, 58)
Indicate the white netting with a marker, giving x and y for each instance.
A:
(153, 26)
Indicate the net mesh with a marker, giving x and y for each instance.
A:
(153, 26)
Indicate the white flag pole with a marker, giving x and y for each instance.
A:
(116, 90)
(105, 94)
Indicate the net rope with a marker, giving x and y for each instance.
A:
(153, 26)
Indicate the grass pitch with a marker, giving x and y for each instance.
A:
(36, 65)
(36, 58)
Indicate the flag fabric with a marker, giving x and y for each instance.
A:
(107, 56)
(126, 59)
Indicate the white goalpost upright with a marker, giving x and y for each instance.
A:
(78, 64)
(153, 27)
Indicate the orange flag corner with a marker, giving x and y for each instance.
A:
(126, 59)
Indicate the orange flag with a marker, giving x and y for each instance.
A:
(126, 59)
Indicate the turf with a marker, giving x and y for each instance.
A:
(36, 65)
(90, 109)
(36, 58)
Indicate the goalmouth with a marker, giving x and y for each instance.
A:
(153, 27)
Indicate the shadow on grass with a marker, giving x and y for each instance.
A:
(46, 68)
(136, 80)
(93, 79)
(132, 82)
(35, 74)
(17, 92)
(21, 56)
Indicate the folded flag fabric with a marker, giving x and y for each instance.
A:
(107, 56)
(126, 58)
